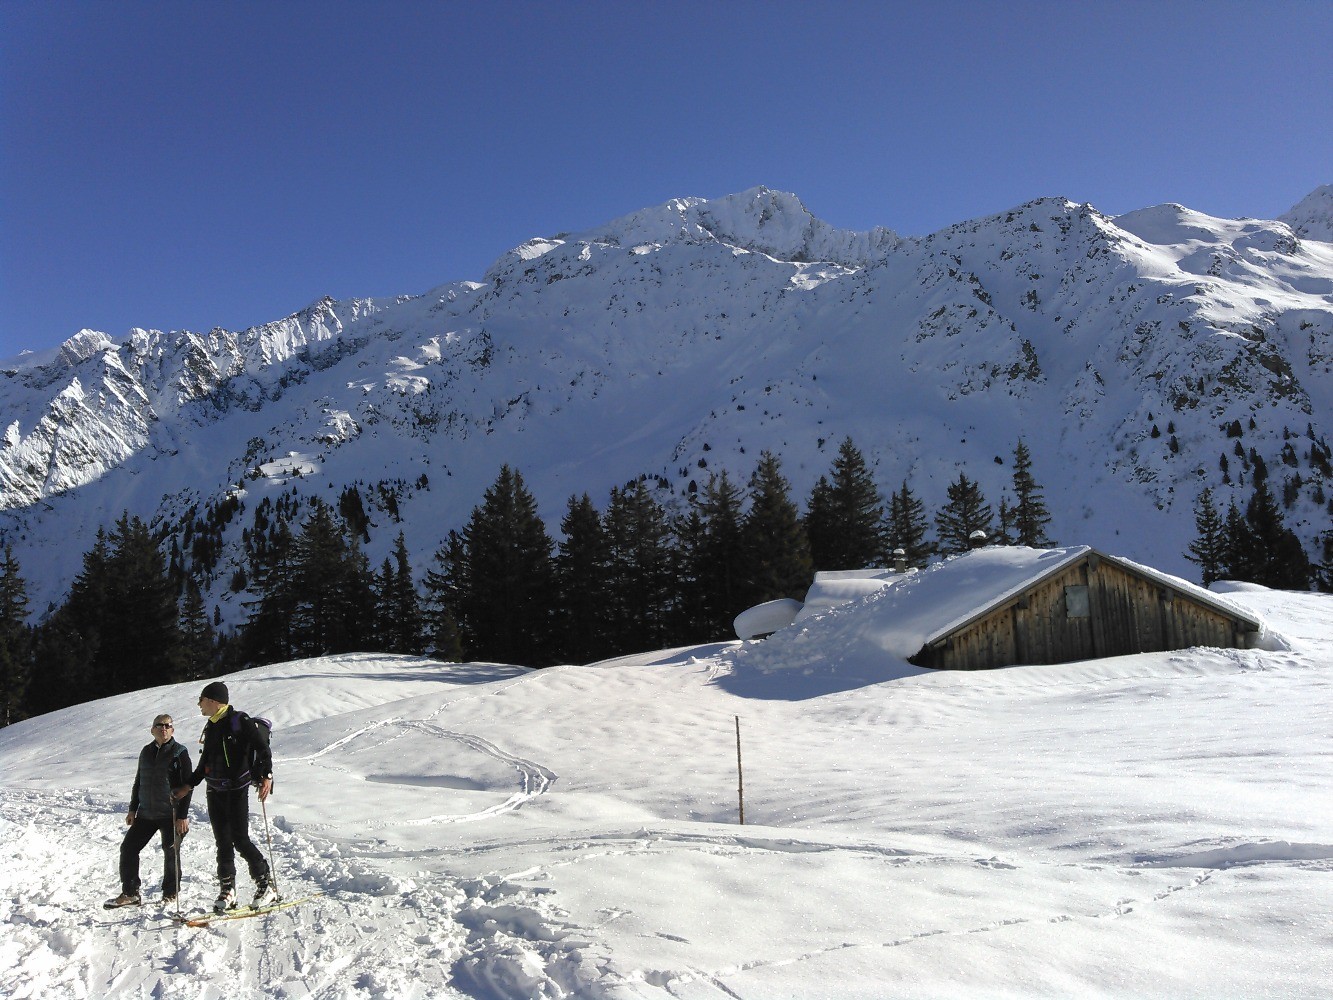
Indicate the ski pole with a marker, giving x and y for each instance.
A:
(272, 868)
(176, 846)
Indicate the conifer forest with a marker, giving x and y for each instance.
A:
(628, 575)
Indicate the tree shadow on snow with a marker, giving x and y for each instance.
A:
(456, 674)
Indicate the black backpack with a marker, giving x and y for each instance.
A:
(263, 729)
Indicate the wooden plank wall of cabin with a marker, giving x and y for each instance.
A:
(1126, 613)
(987, 643)
(1134, 617)
(1036, 629)
(1046, 632)
(1192, 624)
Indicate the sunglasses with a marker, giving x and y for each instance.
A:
(163, 725)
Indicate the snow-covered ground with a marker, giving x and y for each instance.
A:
(1148, 826)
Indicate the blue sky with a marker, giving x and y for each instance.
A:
(185, 166)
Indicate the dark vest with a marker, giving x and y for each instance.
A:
(155, 800)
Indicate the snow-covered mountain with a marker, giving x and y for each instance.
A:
(1141, 357)
(1312, 217)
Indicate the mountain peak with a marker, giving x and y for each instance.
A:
(778, 224)
(77, 349)
(1311, 218)
(759, 220)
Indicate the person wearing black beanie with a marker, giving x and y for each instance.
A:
(235, 755)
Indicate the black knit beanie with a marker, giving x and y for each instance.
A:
(217, 691)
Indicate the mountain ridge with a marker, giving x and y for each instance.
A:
(684, 339)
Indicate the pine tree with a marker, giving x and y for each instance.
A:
(199, 644)
(357, 591)
(1275, 556)
(965, 512)
(334, 607)
(820, 523)
(1004, 524)
(400, 625)
(62, 665)
(506, 595)
(411, 633)
(640, 604)
(268, 635)
(907, 526)
(382, 585)
(15, 640)
(66, 643)
(443, 598)
(713, 565)
(118, 630)
(1208, 551)
(353, 511)
(690, 614)
(1030, 513)
(446, 639)
(140, 642)
(581, 593)
(845, 516)
(318, 554)
(1236, 561)
(87, 596)
(776, 550)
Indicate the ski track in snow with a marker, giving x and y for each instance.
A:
(497, 936)
(534, 779)
(688, 981)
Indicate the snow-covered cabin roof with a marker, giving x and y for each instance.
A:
(832, 588)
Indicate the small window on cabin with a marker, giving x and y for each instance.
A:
(1076, 602)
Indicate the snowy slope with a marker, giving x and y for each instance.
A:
(1146, 826)
(682, 340)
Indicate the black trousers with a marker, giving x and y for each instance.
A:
(136, 839)
(229, 815)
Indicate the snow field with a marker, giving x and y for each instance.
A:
(1147, 826)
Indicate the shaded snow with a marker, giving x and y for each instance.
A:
(767, 617)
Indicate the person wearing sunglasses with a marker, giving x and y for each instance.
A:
(164, 765)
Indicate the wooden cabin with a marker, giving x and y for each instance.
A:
(1086, 606)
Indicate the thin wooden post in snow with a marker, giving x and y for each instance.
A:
(740, 772)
